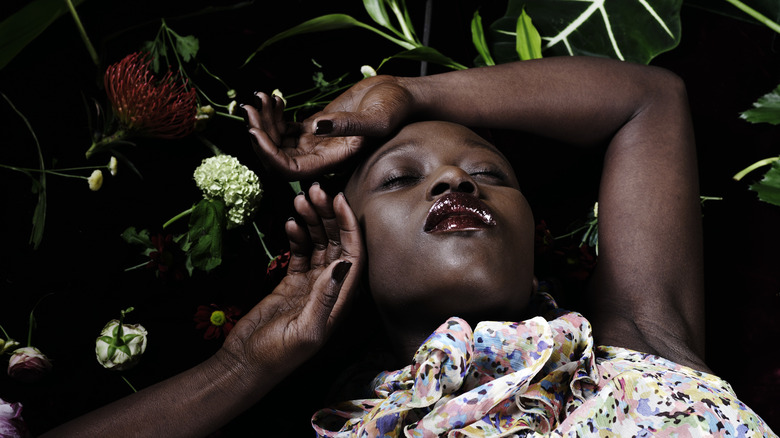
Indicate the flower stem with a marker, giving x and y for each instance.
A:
(229, 116)
(4, 332)
(214, 149)
(741, 174)
(763, 19)
(31, 321)
(261, 235)
(83, 33)
(177, 217)
(138, 266)
(129, 384)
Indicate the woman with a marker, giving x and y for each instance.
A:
(448, 233)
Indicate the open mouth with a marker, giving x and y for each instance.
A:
(458, 212)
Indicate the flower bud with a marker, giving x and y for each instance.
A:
(7, 345)
(120, 346)
(11, 423)
(278, 93)
(95, 180)
(28, 364)
(232, 107)
(367, 71)
(113, 166)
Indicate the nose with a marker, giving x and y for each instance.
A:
(452, 179)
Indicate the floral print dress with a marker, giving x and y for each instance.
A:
(542, 377)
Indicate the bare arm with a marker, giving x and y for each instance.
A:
(648, 288)
(267, 344)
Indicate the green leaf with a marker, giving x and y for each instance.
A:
(478, 38)
(766, 109)
(631, 30)
(376, 9)
(25, 25)
(528, 42)
(428, 54)
(207, 223)
(141, 238)
(323, 23)
(768, 189)
(187, 47)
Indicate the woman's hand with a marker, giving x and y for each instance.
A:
(294, 321)
(372, 107)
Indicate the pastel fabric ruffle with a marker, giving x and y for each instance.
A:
(539, 378)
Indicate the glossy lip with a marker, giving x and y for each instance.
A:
(458, 212)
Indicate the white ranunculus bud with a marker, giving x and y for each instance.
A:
(223, 177)
(95, 180)
(113, 166)
(278, 93)
(367, 71)
(120, 346)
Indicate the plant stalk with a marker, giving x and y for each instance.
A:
(754, 166)
(755, 14)
(83, 33)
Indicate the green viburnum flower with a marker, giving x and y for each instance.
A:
(223, 177)
(120, 346)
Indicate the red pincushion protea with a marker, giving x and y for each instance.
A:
(217, 320)
(149, 108)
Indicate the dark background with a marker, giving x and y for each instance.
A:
(726, 63)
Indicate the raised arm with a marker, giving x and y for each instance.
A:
(267, 344)
(648, 288)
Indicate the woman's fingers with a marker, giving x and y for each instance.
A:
(300, 247)
(323, 205)
(319, 312)
(319, 239)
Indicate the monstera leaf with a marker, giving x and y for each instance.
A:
(630, 30)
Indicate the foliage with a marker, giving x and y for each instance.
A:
(21, 28)
(631, 30)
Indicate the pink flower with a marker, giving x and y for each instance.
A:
(168, 260)
(11, 423)
(217, 320)
(28, 364)
(149, 108)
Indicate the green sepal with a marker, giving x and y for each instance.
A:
(111, 351)
(768, 189)
(107, 339)
(207, 224)
(766, 109)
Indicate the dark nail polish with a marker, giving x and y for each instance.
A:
(290, 219)
(323, 127)
(258, 101)
(253, 140)
(340, 271)
(301, 193)
(315, 183)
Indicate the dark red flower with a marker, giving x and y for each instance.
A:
(168, 260)
(278, 263)
(145, 107)
(217, 320)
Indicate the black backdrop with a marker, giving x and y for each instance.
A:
(726, 64)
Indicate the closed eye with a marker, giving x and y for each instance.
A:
(394, 181)
(492, 176)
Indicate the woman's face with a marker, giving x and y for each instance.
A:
(447, 231)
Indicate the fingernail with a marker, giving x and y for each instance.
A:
(323, 127)
(315, 183)
(258, 101)
(253, 140)
(340, 272)
(300, 193)
(290, 219)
